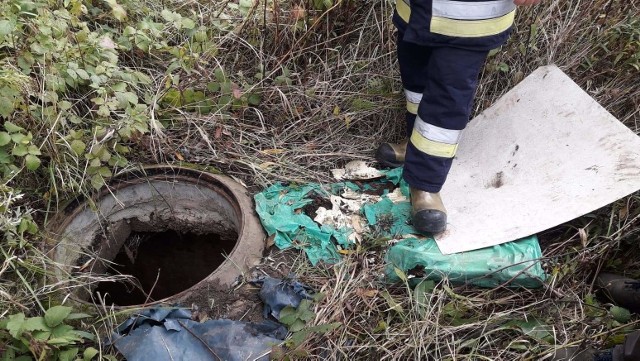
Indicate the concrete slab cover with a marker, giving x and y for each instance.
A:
(543, 154)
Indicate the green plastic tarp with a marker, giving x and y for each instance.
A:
(280, 208)
(515, 262)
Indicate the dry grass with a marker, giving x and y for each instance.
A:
(327, 114)
(342, 99)
(344, 95)
(297, 135)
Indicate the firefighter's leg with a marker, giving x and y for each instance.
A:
(413, 60)
(451, 81)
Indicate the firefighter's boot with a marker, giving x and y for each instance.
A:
(428, 214)
(391, 154)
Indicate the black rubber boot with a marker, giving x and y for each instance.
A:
(429, 221)
(622, 291)
(392, 155)
(428, 214)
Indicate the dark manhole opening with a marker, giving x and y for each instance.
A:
(164, 264)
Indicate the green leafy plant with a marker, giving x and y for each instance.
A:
(620, 314)
(46, 337)
(533, 328)
(322, 4)
(16, 147)
(96, 78)
(220, 96)
(298, 319)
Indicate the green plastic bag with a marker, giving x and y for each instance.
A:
(516, 263)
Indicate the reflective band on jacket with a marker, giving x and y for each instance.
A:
(433, 140)
(465, 19)
(481, 10)
(471, 28)
(403, 10)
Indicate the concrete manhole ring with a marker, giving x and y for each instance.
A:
(187, 206)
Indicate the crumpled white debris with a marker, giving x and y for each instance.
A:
(343, 214)
(356, 170)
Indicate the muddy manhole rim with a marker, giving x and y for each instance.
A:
(246, 252)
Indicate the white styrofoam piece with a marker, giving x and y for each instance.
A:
(543, 154)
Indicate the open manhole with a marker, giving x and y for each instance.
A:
(160, 234)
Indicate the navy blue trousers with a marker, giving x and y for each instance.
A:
(440, 84)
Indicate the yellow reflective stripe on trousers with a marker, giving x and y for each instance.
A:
(413, 100)
(471, 28)
(412, 107)
(404, 10)
(430, 147)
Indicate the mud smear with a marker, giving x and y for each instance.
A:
(317, 201)
(498, 180)
(176, 260)
(377, 189)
